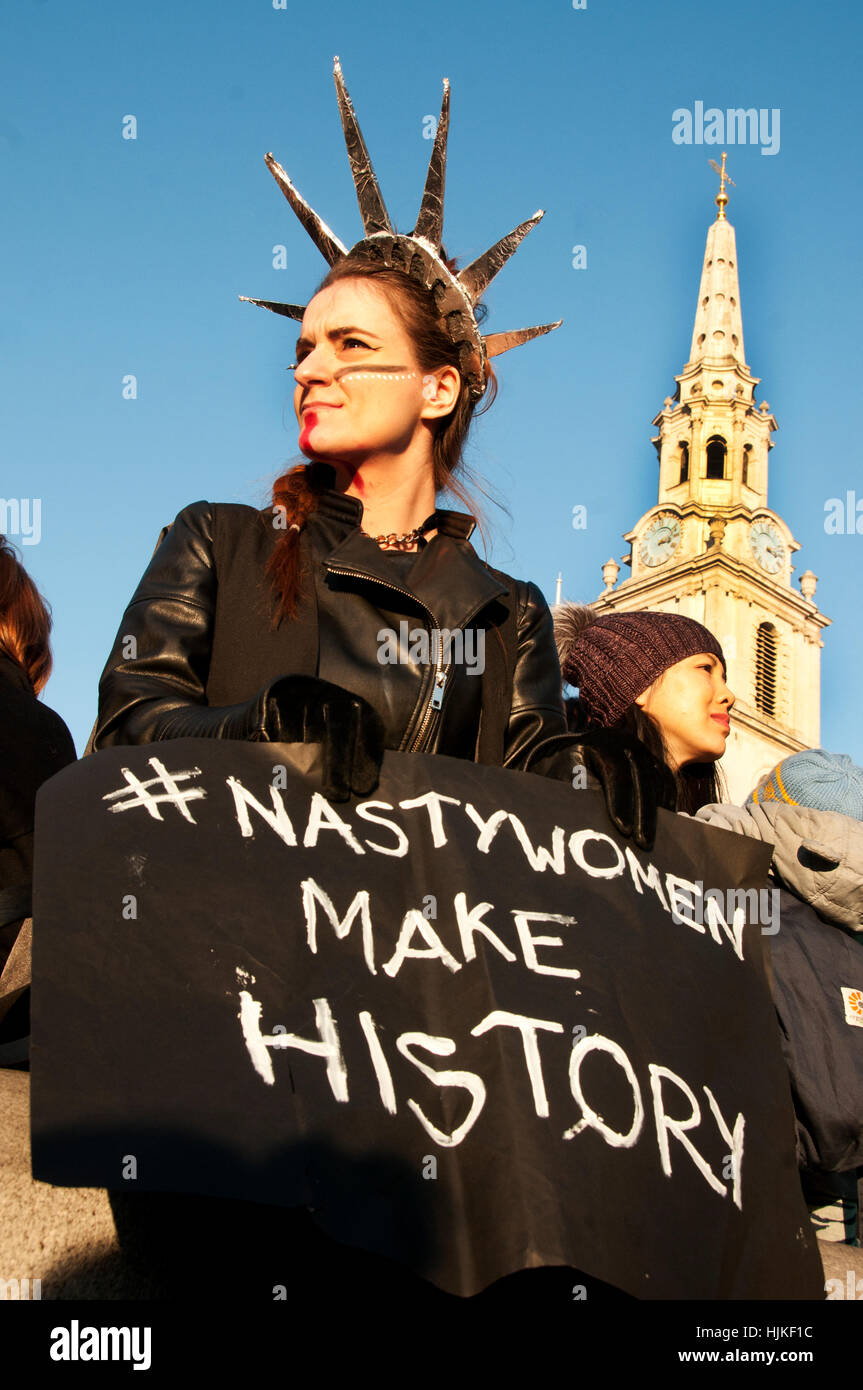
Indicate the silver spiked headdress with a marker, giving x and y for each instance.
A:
(417, 254)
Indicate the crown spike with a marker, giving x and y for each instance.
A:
(417, 254)
(496, 343)
(326, 240)
(430, 220)
(477, 276)
(372, 209)
(290, 311)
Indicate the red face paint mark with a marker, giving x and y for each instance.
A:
(310, 419)
(358, 482)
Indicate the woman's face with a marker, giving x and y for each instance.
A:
(360, 392)
(691, 702)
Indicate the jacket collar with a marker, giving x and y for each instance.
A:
(13, 673)
(340, 506)
(448, 577)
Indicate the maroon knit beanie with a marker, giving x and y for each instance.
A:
(614, 657)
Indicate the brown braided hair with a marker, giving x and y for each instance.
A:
(295, 493)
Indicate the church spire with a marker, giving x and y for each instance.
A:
(713, 439)
(712, 549)
(717, 336)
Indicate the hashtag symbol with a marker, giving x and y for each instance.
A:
(138, 793)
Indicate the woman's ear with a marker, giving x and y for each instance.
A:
(643, 700)
(440, 392)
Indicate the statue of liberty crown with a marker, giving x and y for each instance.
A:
(417, 254)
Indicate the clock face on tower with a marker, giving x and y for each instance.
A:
(767, 546)
(661, 539)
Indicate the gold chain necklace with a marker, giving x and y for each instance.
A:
(393, 541)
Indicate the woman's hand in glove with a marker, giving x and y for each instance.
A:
(303, 709)
(293, 709)
(634, 783)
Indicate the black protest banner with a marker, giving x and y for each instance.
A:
(462, 1020)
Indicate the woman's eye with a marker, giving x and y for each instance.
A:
(354, 342)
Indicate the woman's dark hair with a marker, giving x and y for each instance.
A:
(25, 621)
(295, 495)
(697, 784)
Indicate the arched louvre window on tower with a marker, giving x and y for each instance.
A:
(766, 668)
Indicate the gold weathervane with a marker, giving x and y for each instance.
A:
(724, 178)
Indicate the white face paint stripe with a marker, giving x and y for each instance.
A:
(382, 375)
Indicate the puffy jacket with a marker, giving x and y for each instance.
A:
(816, 960)
(197, 645)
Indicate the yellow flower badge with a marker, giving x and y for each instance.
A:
(853, 1001)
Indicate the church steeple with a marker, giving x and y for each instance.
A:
(714, 441)
(711, 548)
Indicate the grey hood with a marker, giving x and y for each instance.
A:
(818, 855)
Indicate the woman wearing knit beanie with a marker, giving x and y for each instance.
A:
(656, 677)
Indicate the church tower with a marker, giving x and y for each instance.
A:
(712, 549)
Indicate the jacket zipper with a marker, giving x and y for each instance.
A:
(441, 674)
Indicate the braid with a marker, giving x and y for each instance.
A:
(295, 497)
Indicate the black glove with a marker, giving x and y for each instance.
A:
(303, 709)
(635, 784)
(295, 709)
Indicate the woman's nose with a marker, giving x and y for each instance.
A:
(315, 366)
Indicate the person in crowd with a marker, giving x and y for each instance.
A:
(34, 744)
(810, 807)
(285, 624)
(656, 679)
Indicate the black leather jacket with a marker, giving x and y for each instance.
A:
(197, 646)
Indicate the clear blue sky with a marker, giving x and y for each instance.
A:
(126, 257)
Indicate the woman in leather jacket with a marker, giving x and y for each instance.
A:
(316, 618)
(354, 612)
